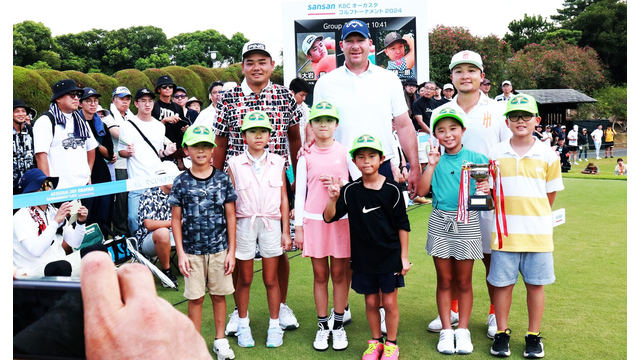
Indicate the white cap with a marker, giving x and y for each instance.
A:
(308, 42)
(255, 46)
(506, 82)
(466, 57)
(447, 86)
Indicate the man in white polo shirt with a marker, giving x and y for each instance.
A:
(507, 91)
(368, 97)
(484, 120)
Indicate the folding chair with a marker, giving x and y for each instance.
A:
(132, 244)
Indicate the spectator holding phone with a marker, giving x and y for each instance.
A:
(39, 248)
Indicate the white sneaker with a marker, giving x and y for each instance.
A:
(493, 326)
(288, 320)
(346, 318)
(232, 325)
(321, 343)
(598, 158)
(445, 344)
(585, 159)
(436, 325)
(383, 323)
(340, 341)
(274, 337)
(575, 163)
(223, 350)
(463, 341)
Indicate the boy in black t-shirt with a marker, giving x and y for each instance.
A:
(379, 230)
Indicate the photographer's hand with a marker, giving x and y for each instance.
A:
(125, 319)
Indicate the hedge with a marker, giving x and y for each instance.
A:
(31, 87)
(187, 79)
(51, 76)
(206, 75)
(153, 74)
(106, 85)
(133, 79)
(83, 80)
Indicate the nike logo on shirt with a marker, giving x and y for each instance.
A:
(365, 210)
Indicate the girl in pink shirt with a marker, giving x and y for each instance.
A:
(262, 205)
(327, 159)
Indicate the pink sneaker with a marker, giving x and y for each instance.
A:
(374, 350)
(391, 351)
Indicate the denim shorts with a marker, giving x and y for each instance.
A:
(366, 284)
(536, 268)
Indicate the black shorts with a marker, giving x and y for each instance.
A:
(366, 284)
(572, 148)
(608, 144)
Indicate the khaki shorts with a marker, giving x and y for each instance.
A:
(207, 272)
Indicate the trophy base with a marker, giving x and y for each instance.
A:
(481, 203)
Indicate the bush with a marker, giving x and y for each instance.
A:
(206, 75)
(83, 80)
(29, 86)
(187, 79)
(233, 73)
(133, 79)
(51, 76)
(153, 74)
(106, 85)
(218, 73)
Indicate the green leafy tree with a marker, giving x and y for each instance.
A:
(604, 28)
(529, 30)
(556, 66)
(82, 51)
(153, 61)
(194, 48)
(29, 39)
(445, 41)
(571, 9)
(570, 37)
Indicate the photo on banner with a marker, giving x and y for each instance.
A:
(317, 46)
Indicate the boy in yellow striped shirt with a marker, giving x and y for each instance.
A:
(530, 179)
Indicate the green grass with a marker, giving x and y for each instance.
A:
(586, 308)
(606, 167)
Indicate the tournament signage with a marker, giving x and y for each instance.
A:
(88, 191)
(311, 37)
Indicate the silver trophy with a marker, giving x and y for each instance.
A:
(479, 200)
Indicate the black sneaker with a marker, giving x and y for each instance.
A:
(171, 277)
(534, 348)
(500, 345)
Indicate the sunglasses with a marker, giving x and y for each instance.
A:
(179, 96)
(46, 186)
(76, 95)
(167, 86)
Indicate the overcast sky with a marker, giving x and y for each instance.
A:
(255, 19)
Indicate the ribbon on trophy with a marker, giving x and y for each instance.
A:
(463, 194)
(498, 199)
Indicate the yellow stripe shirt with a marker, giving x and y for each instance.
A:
(526, 181)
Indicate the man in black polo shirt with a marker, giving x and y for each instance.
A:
(170, 114)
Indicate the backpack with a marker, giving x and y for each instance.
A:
(51, 118)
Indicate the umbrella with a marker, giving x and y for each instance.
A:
(143, 260)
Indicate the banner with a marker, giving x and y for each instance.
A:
(88, 191)
(311, 37)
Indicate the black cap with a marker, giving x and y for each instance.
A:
(63, 87)
(89, 92)
(144, 91)
(411, 81)
(164, 80)
(393, 37)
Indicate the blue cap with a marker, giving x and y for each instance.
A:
(33, 179)
(355, 26)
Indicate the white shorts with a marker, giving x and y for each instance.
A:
(270, 241)
(486, 225)
(149, 247)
